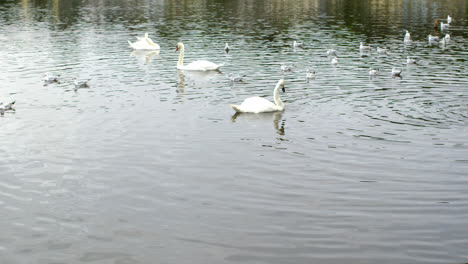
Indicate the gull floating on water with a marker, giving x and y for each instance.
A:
(396, 72)
(310, 75)
(364, 48)
(285, 68)
(49, 78)
(236, 78)
(409, 60)
(8, 107)
(331, 52)
(334, 61)
(297, 45)
(81, 83)
(373, 73)
(443, 42)
(381, 51)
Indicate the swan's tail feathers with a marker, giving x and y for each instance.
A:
(235, 107)
(220, 65)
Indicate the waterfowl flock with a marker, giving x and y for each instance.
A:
(258, 104)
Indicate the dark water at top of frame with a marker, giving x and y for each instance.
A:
(151, 165)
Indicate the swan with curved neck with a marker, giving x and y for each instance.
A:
(199, 65)
(261, 105)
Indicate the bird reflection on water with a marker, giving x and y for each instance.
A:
(278, 121)
(144, 56)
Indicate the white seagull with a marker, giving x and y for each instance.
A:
(236, 78)
(373, 73)
(409, 60)
(444, 26)
(364, 48)
(285, 68)
(297, 45)
(331, 52)
(8, 107)
(382, 51)
(81, 83)
(49, 78)
(310, 75)
(396, 72)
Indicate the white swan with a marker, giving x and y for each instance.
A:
(144, 43)
(200, 65)
(447, 37)
(407, 36)
(449, 19)
(444, 26)
(261, 105)
(431, 38)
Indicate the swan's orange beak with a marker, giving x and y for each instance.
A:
(176, 48)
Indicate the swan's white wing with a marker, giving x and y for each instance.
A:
(152, 44)
(257, 105)
(143, 44)
(201, 65)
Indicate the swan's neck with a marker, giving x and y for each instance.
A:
(181, 56)
(277, 98)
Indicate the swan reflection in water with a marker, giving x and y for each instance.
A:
(278, 122)
(144, 56)
(194, 76)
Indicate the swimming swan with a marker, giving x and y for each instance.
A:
(407, 37)
(261, 105)
(144, 43)
(199, 65)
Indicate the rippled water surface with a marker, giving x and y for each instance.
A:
(151, 165)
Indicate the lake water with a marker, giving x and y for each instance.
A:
(151, 165)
